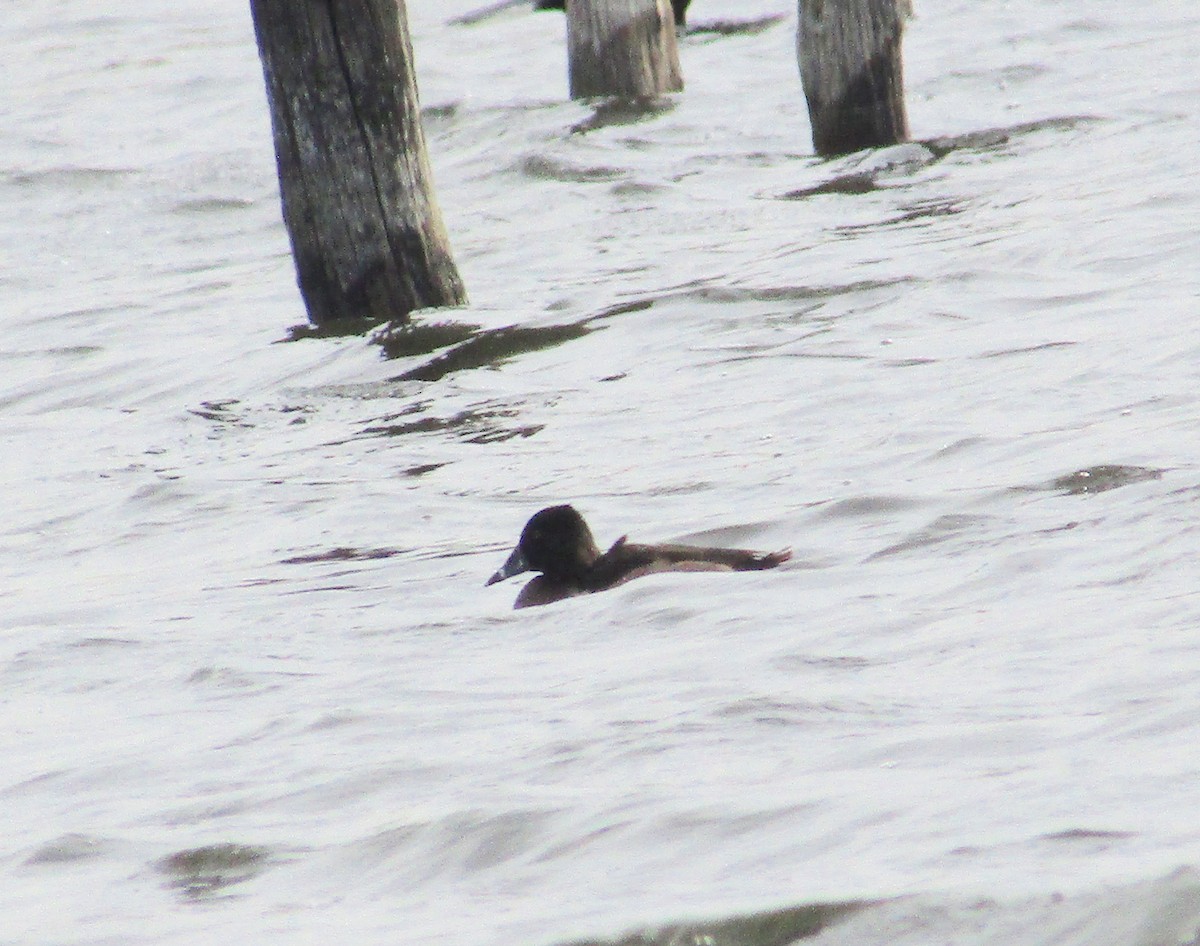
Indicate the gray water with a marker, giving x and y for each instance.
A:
(252, 684)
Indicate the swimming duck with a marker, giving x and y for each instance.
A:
(679, 6)
(558, 543)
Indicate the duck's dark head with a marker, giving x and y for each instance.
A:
(556, 542)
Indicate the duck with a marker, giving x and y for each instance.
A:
(679, 6)
(557, 542)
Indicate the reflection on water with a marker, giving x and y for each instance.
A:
(470, 426)
(618, 113)
(774, 928)
(492, 347)
(201, 872)
(1100, 479)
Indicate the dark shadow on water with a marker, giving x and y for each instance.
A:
(750, 27)
(861, 182)
(421, 337)
(943, 529)
(342, 554)
(421, 469)
(464, 347)
(444, 113)
(221, 413)
(1024, 350)
(486, 13)
(472, 347)
(915, 213)
(857, 181)
(545, 167)
(490, 348)
(1071, 835)
(337, 328)
(404, 339)
(995, 139)
(618, 112)
(772, 928)
(199, 873)
(473, 425)
(863, 172)
(68, 849)
(740, 294)
(1095, 479)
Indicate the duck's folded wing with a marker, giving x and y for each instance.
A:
(626, 558)
(738, 560)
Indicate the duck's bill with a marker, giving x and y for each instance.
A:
(514, 566)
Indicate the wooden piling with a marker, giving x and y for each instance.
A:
(622, 47)
(852, 72)
(367, 234)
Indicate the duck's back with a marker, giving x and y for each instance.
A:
(626, 561)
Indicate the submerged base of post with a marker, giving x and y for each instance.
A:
(622, 47)
(852, 72)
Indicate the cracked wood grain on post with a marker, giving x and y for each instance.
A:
(366, 231)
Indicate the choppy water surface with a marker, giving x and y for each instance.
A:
(253, 685)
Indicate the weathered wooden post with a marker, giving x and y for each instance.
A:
(367, 234)
(622, 47)
(678, 6)
(852, 72)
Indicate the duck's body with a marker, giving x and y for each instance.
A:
(679, 6)
(558, 543)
